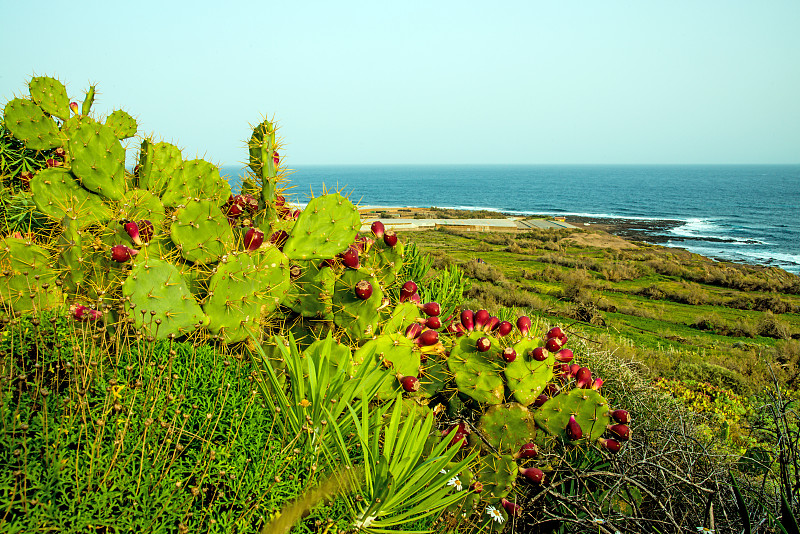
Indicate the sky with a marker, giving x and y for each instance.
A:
(433, 82)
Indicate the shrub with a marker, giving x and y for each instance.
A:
(771, 326)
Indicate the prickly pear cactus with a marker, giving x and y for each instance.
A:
(326, 227)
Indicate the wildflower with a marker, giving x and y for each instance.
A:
(455, 482)
(495, 514)
(705, 530)
(597, 521)
(443, 471)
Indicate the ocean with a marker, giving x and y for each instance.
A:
(742, 213)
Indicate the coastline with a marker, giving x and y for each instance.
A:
(633, 230)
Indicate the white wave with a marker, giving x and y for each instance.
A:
(708, 229)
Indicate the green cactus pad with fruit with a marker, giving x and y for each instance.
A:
(527, 377)
(395, 352)
(326, 227)
(477, 374)
(27, 283)
(588, 407)
(359, 318)
(156, 288)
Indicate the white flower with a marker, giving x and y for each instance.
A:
(455, 482)
(494, 513)
(443, 471)
(597, 521)
(705, 530)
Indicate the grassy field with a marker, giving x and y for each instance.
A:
(671, 308)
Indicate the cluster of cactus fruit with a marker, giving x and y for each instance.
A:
(168, 251)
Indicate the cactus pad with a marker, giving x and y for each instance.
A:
(50, 95)
(196, 179)
(27, 122)
(526, 377)
(26, 280)
(507, 427)
(122, 124)
(159, 163)
(311, 293)
(588, 407)
(395, 352)
(98, 158)
(201, 231)
(326, 227)
(161, 301)
(245, 288)
(57, 194)
(358, 317)
(477, 374)
(497, 474)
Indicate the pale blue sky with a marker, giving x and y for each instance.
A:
(432, 82)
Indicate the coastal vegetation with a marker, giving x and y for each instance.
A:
(179, 357)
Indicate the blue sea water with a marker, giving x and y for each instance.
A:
(743, 213)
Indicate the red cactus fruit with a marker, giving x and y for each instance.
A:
(133, 230)
(509, 354)
(476, 486)
(408, 289)
(145, 230)
(597, 383)
(276, 159)
(564, 356)
(279, 238)
(483, 344)
(533, 474)
(611, 445)
(467, 320)
(233, 207)
(504, 328)
(481, 317)
(491, 324)
(457, 329)
(390, 238)
(551, 390)
(250, 202)
(378, 229)
(74, 107)
(573, 429)
(431, 309)
(121, 253)
(553, 344)
(363, 289)
(428, 338)
(623, 432)
(93, 315)
(79, 312)
(409, 383)
(413, 331)
(350, 257)
(415, 299)
(26, 177)
(573, 369)
(583, 378)
(524, 324)
(295, 213)
(541, 399)
(433, 323)
(54, 163)
(253, 239)
(554, 332)
(364, 243)
(620, 416)
(60, 152)
(512, 509)
(528, 450)
(539, 354)
(460, 434)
